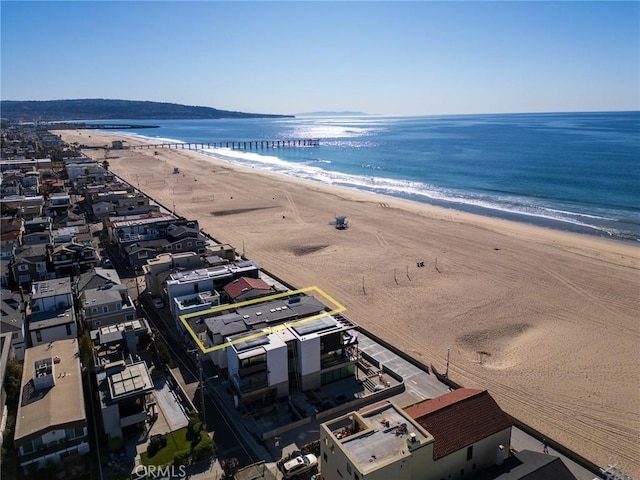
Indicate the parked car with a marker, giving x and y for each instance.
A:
(158, 303)
(106, 263)
(298, 465)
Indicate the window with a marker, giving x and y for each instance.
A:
(339, 473)
(68, 325)
(94, 309)
(129, 317)
(470, 452)
(178, 246)
(189, 244)
(105, 309)
(356, 477)
(118, 306)
(14, 335)
(348, 469)
(38, 336)
(324, 455)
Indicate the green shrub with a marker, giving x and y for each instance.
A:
(181, 457)
(156, 443)
(204, 449)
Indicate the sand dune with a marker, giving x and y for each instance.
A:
(546, 321)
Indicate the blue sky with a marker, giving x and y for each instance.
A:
(398, 58)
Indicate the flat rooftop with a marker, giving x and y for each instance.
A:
(60, 404)
(375, 435)
(51, 288)
(127, 380)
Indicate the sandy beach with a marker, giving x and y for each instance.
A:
(547, 321)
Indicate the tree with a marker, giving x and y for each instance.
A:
(164, 355)
(86, 350)
(13, 381)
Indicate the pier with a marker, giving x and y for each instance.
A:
(234, 145)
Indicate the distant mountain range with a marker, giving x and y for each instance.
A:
(104, 109)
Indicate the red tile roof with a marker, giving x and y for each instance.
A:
(245, 284)
(459, 419)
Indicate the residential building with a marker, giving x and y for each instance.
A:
(178, 237)
(456, 435)
(270, 348)
(106, 305)
(194, 302)
(29, 265)
(25, 164)
(159, 268)
(73, 258)
(11, 230)
(136, 228)
(13, 320)
(51, 422)
(97, 277)
(124, 383)
(37, 231)
(58, 204)
(247, 288)
(528, 465)
(51, 315)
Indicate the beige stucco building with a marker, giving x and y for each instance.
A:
(449, 437)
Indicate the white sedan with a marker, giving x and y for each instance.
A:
(300, 464)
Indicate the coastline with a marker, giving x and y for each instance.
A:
(555, 311)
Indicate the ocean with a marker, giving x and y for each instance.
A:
(569, 171)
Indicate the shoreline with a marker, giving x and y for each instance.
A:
(609, 228)
(556, 311)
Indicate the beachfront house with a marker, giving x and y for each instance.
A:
(177, 238)
(456, 435)
(212, 280)
(247, 288)
(51, 422)
(265, 363)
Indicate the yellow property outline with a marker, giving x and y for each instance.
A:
(232, 306)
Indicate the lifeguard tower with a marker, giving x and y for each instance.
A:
(341, 223)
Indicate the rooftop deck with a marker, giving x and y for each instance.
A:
(374, 436)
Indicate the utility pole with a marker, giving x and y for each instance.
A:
(199, 360)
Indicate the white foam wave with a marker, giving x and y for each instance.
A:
(404, 188)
